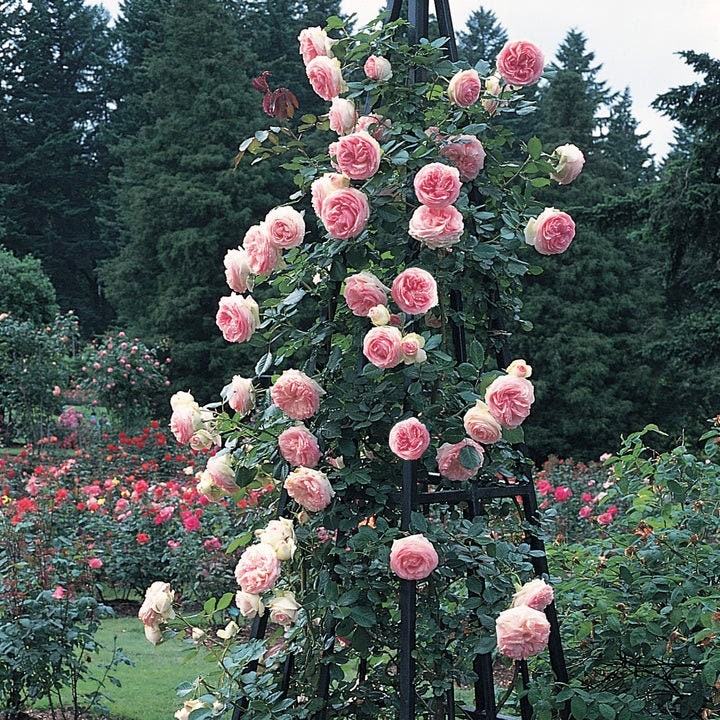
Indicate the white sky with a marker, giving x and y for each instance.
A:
(633, 40)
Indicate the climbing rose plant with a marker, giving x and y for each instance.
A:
(414, 227)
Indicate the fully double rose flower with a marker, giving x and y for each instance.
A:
(285, 227)
(262, 256)
(521, 632)
(363, 291)
(466, 153)
(382, 346)
(299, 447)
(237, 317)
(536, 594)
(412, 347)
(309, 488)
(237, 270)
(568, 162)
(413, 557)
(345, 213)
(520, 63)
(257, 569)
(480, 424)
(464, 88)
(437, 185)
(296, 394)
(378, 68)
(415, 291)
(356, 155)
(314, 41)
(324, 185)
(451, 464)
(239, 394)
(551, 232)
(325, 76)
(509, 398)
(436, 227)
(342, 116)
(409, 439)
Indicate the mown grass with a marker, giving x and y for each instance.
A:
(147, 689)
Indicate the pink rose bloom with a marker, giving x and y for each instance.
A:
(437, 185)
(568, 161)
(493, 90)
(325, 77)
(258, 569)
(221, 472)
(296, 394)
(448, 460)
(562, 493)
(509, 399)
(536, 594)
(551, 232)
(262, 257)
(345, 213)
(183, 423)
(409, 439)
(239, 395)
(382, 346)
(480, 425)
(342, 116)
(585, 511)
(249, 604)
(324, 185)
(605, 518)
(520, 63)
(95, 563)
(519, 368)
(415, 291)
(59, 593)
(237, 317)
(314, 41)
(376, 125)
(237, 270)
(356, 155)
(378, 68)
(363, 292)
(544, 487)
(309, 488)
(464, 88)
(412, 347)
(521, 632)
(436, 227)
(413, 557)
(299, 447)
(285, 227)
(466, 153)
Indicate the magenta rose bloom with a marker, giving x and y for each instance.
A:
(296, 394)
(466, 153)
(415, 291)
(237, 317)
(536, 594)
(237, 270)
(299, 447)
(551, 232)
(436, 227)
(258, 569)
(509, 398)
(520, 63)
(345, 213)
(285, 227)
(448, 460)
(382, 346)
(363, 291)
(413, 557)
(521, 632)
(356, 155)
(409, 439)
(309, 488)
(262, 257)
(325, 77)
(437, 185)
(464, 88)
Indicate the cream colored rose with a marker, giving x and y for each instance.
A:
(519, 368)
(188, 706)
(568, 161)
(280, 535)
(249, 604)
(153, 634)
(283, 609)
(229, 631)
(208, 488)
(183, 399)
(379, 315)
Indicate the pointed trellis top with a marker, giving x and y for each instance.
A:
(418, 17)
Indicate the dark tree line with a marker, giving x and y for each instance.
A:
(116, 149)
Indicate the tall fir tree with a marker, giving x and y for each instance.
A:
(53, 163)
(482, 39)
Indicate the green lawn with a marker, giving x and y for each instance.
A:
(148, 687)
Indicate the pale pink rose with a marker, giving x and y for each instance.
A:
(520, 63)
(356, 155)
(568, 161)
(309, 488)
(466, 153)
(493, 90)
(203, 439)
(220, 470)
(158, 604)
(249, 604)
(325, 77)
(520, 368)
(415, 291)
(509, 398)
(382, 346)
(207, 488)
(379, 315)
(314, 41)
(436, 227)
(363, 291)
(299, 447)
(376, 125)
(449, 464)
(437, 185)
(239, 395)
(283, 609)
(237, 270)
(285, 227)
(551, 232)
(413, 557)
(262, 257)
(536, 594)
(378, 68)
(279, 534)
(257, 569)
(324, 185)
(412, 347)
(183, 423)
(343, 116)
(237, 317)
(464, 88)
(296, 394)
(480, 425)
(345, 213)
(521, 632)
(409, 439)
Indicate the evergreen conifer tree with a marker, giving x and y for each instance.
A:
(483, 37)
